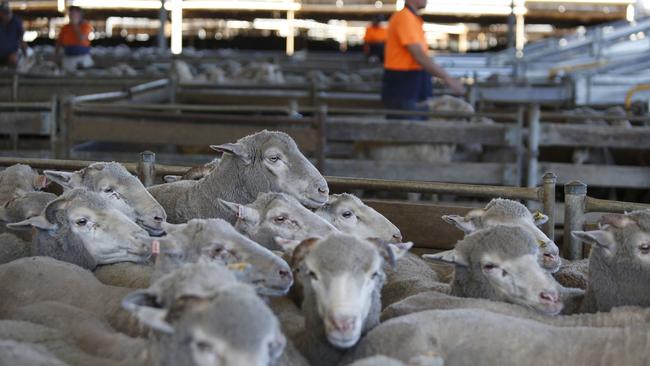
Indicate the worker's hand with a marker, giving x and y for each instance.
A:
(456, 86)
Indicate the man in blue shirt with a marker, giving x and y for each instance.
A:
(11, 36)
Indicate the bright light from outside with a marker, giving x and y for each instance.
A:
(177, 26)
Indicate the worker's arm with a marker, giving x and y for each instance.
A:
(434, 69)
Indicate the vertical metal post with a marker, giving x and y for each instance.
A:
(533, 144)
(575, 193)
(519, 158)
(520, 30)
(548, 201)
(321, 122)
(162, 17)
(511, 26)
(14, 88)
(290, 33)
(147, 168)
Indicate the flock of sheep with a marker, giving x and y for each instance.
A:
(255, 263)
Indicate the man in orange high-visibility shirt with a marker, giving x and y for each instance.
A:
(74, 39)
(407, 68)
(375, 39)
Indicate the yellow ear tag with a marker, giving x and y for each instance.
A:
(538, 215)
(239, 266)
(541, 243)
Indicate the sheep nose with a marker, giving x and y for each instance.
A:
(285, 274)
(548, 296)
(324, 190)
(158, 219)
(397, 237)
(342, 323)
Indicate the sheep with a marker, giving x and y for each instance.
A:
(90, 333)
(23, 207)
(195, 319)
(277, 220)
(17, 180)
(500, 263)
(430, 359)
(501, 211)
(52, 340)
(65, 283)
(411, 274)
(205, 240)
(84, 228)
(341, 293)
(624, 316)
(194, 173)
(428, 153)
(473, 336)
(112, 180)
(19, 353)
(619, 262)
(12, 247)
(262, 162)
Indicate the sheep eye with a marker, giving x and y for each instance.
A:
(489, 266)
(280, 219)
(274, 158)
(375, 275)
(644, 248)
(81, 222)
(204, 346)
(108, 190)
(313, 275)
(347, 214)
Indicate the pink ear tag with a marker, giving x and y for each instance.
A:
(240, 212)
(155, 247)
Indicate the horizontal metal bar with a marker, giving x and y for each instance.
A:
(472, 190)
(599, 205)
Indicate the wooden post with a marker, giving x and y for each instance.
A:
(533, 145)
(14, 88)
(521, 113)
(575, 193)
(147, 168)
(321, 121)
(548, 201)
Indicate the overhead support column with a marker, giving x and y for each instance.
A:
(162, 17)
(520, 33)
(290, 33)
(511, 26)
(177, 27)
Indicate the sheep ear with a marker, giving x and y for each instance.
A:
(237, 149)
(459, 221)
(385, 251)
(540, 218)
(242, 212)
(64, 179)
(287, 245)
(600, 238)
(40, 182)
(142, 304)
(302, 250)
(449, 257)
(172, 178)
(276, 348)
(400, 249)
(39, 222)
